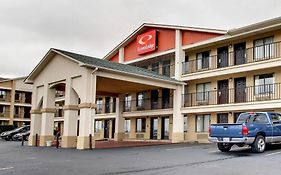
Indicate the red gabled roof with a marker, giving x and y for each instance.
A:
(144, 26)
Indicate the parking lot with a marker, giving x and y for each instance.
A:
(160, 159)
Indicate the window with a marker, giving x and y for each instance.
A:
(99, 105)
(2, 94)
(127, 125)
(114, 105)
(185, 123)
(263, 48)
(155, 67)
(17, 111)
(141, 122)
(202, 123)
(275, 117)
(203, 91)
(140, 99)
(203, 60)
(264, 84)
(2, 109)
(253, 118)
(222, 118)
(98, 125)
(128, 100)
(166, 68)
(17, 96)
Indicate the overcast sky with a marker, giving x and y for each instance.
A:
(29, 28)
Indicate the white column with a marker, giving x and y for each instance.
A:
(35, 123)
(87, 111)
(35, 126)
(178, 133)
(48, 114)
(179, 55)
(70, 116)
(121, 55)
(119, 121)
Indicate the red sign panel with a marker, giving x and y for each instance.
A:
(147, 42)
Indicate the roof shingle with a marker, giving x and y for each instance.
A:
(100, 63)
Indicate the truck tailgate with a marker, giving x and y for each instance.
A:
(226, 130)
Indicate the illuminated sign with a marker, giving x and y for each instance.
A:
(147, 42)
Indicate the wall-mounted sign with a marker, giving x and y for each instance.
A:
(147, 42)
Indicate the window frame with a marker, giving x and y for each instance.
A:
(202, 96)
(203, 61)
(127, 127)
(264, 50)
(204, 128)
(142, 125)
(264, 88)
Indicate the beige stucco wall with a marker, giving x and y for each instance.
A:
(249, 43)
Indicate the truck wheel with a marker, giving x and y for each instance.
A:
(224, 147)
(259, 144)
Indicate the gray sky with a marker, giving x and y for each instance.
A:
(29, 28)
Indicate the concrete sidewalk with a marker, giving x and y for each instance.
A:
(121, 144)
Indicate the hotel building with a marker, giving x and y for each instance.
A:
(162, 82)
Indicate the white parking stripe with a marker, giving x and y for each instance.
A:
(170, 149)
(6, 168)
(271, 154)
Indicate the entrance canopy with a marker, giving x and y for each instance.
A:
(112, 78)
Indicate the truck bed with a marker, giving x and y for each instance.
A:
(226, 130)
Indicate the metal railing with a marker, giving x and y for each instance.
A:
(243, 56)
(237, 95)
(59, 94)
(5, 114)
(166, 70)
(23, 100)
(59, 113)
(148, 104)
(5, 98)
(105, 108)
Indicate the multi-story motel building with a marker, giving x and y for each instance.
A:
(162, 82)
(15, 102)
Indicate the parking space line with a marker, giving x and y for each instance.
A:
(6, 168)
(171, 149)
(271, 154)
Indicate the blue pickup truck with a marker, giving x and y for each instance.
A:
(253, 128)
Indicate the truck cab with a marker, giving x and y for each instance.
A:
(253, 128)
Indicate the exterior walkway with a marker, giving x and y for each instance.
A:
(121, 144)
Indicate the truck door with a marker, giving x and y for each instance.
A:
(276, 126)
(259, 122)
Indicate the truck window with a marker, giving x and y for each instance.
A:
(276, 118)
(253, 118)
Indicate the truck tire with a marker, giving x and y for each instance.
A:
(224, 147)
(259, 144)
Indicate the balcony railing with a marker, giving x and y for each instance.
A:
(5, 114)
(243, 56)
(26, 100)
(59, 112)
(105, 108)
(59, 94)
(148, 104)
(237, 95)
(5, 98)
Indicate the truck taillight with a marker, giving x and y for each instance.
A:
(209, 130)
(245, 131)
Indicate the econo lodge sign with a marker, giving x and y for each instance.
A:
(147, 42)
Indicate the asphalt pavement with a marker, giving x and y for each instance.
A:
(197, 159)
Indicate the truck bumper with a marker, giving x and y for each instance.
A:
(243, 140)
